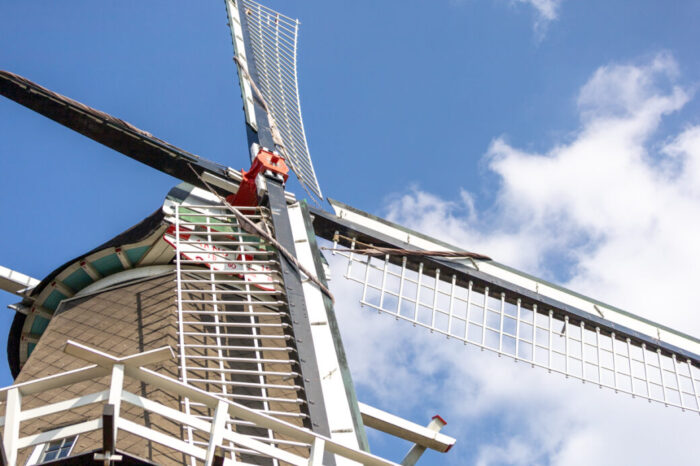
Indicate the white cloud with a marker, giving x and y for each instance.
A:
(546, 11)
(624, 220)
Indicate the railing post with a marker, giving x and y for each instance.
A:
(216, 436)
(219, 457)
(115, 395)
(3, 456)
(13, 411)
(317, 449)
(109, 434)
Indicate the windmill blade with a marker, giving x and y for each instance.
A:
(497, 309)
(106, 129)
(265, 43)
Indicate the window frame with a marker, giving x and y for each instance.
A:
(38, 455)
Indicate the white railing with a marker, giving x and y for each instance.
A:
(219, 435)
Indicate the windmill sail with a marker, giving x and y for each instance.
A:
(500, 310)
(265, 43)
(109, 130)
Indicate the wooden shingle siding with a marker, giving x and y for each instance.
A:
(121, 321)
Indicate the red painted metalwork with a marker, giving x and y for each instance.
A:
(265, 161)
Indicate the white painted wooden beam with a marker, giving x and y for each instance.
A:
(86, 353)
(123, 258)
(57, 380)
(149, 357)
(416, 450)
(115, 396)
(13, 411)
(65, 405)
(61, 432)
(62, 288)
(170, 413)
(163, 439)
(317, 449)
(222, 183)
(30, 337)
(31, 310)
(15, 282)
(241, 62)
(399, 427)
(90, 270)
(216, 435)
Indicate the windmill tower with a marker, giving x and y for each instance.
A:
(206, 333)
(211, 319)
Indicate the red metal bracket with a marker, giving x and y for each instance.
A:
(265, 161)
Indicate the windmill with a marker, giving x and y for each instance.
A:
(452, 292)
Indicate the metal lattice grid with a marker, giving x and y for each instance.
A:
(536, 335)
(273, 40)
(233, 328)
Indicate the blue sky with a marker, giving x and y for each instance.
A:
(453, 116)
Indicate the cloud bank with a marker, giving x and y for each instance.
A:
(614, 213)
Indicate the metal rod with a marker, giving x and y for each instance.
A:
(629, 364)
(381, 294)
(418, 287)
(483, 322)
(661, 373)
(692, 384)
(549, 342)
(517, 329)
(566, 346)
(469, 308)
(583, 351)
(534, 334)
(401, 283)
(500, 327)
(181, 336)
(451, 304)
(678, 382)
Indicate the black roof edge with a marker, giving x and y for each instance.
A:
(134, 234)
(13, 340)
(138, 232)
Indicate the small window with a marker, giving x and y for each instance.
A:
(58, 449)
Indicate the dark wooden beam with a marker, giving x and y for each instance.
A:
(106, 129)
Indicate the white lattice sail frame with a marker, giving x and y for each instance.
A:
(273, 41)
(499, 322)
